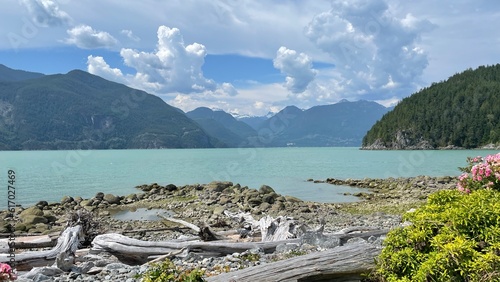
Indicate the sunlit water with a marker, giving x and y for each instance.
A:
(49, 175)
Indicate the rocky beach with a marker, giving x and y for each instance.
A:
(379, 207)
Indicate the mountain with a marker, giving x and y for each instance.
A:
(80, 110)
(8, 74)
(253, 121)
(223, 126)
(463, 111)
(341, 124)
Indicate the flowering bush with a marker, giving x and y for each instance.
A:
(6, 273)
(481, 173)
(455, 236)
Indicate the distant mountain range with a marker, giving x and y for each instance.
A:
(79, 110)
(341, 124)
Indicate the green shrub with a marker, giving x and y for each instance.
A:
(454, 237)
(168, 272)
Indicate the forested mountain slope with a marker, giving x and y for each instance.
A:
(463, 111)
(78, 110)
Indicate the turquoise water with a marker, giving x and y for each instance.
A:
(49, 175)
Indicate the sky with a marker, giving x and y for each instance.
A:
(252, 57)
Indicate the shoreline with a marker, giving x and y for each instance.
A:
(216, 195)
(381, 206)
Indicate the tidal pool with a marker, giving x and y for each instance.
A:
(142, 214)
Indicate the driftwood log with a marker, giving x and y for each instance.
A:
(345, 263)
(138, 251)
(133, 250)
(30, 242)
(67, 243)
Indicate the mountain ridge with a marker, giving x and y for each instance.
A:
(79, 110)
(460, 112)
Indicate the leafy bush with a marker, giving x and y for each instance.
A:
(455, 236)
(168, 272)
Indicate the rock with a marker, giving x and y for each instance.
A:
(50, 217)
(66, 200)
(264, 189)
(286, 247)
(264, 207)
(253, 202)
(217, 186)
(111, 199)
(31, 211)
(39, 228)
(86, 203)
(21, 227)
(224, 200)
(270, 198)
(171, 187)
(42, 204)
(219, 210)
(292, 199)
(33, 219)
(46, 271)
(65, 261)
(99, 195)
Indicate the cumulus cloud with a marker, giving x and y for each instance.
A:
(97, 65)
(374, 51)
(297, 67)
(86, 37)
(172, 68)
(46, 12)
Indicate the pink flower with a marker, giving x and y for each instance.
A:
(6, 273)
(5, 268)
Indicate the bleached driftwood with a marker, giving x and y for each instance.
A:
(270, 229)
(345, 263)
(129, 249)
(29, 242)
(66, 243)
(204, 231)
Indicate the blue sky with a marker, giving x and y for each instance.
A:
(254, 56)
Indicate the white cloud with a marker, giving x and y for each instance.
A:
(375, 52)
(97, 66)
(258, 100)
(46, 12)
(297, 67)
(86, 37)
(172, 68)
(130, 35)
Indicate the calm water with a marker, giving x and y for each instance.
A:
(49, 175)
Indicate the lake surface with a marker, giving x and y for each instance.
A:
(49, 175)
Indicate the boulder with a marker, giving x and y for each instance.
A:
(292, 199)
(66, 200)
(32, 211)
(33, 219)
(42, 204)
(218, 186)
(99, 195)
(264, 189)
(270, 198)
(111, 199)
(171, 187)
